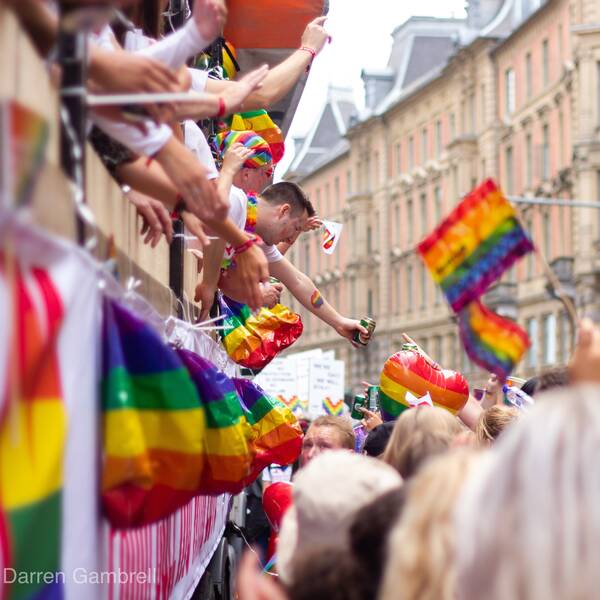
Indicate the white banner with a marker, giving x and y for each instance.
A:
(326, 388)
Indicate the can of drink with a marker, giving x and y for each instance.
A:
(359, 402)
(373, 397)
(369, 324)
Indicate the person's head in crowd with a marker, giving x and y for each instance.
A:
(419, 434)
(369, 537)
(422, 544)
(377, 439)
(326, 433)
(529, 521)
(326, 495)
(552, 378)
(493, 422)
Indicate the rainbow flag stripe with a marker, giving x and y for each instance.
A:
(292, 403)
(153, 423)
(333, 408)
(261, 123)
(491, 341)
(261, 150)
(226, 433)
(474, 245)
(276, 434)
(254, 340)
(33, 429)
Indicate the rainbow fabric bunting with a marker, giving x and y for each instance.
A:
(292, 403)
(276, 434)
(474, 245)
(252, 341)
(491, 341)
(154, 424)
(261, 150)
(25, 150)
(228, 456)
(261, 123)
(333, 408)
(33, 429)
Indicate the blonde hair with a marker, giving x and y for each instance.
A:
(493, 421)
(422, 543)
(342, 425)
(530, 521)
(418, 434)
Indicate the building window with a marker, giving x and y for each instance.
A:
(561, 138)
(452, 126)
(336, 192)
(560, 45)
(424, 223)
(317, 239)
(532, 331)
(328, 199)
(411, 152)
(369, 240)
(376, 167)
(472, 113)
(318, 206)
(398, 292)
(437, 294)
(438, 351)
(565, 337)
(398, 159)
(455, 188)
(424, 149)
(348, 183)
(549, 339)
(598, 92)
(510, 91)
(397, 231)
(409, 288)
(424, 282)
(370, 302)
(307, 257)
(482, 101)
(353, 296)
(529, 161)
(437, 204)
(508, 159)
(438, 138)
(545, 63)
(409, 222)
(528, 76)
(545, 153)
(547, 234)
(530, 255)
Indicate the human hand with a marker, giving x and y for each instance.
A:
(315, 35)
(272, 294)
(493, 392)
(348, 327)
(195, 226)
(235, 157)
(371, 419)
(235, 94)
(408, 340)
(584, 366)
(253, 584)
(204, 296)
(210, 17)
(156, 220)
(251, 269)
(313, 223)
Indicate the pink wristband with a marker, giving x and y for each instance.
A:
(312, 53)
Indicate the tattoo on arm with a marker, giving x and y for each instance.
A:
(316, 299)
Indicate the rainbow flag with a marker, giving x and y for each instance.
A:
(276, 434)
(154, 424)
(33, 428)
(253, 341)
(292, 403)
(333, 408)
(261, 123)
(27, 137)
(226, 433)
(474, 245)
(491, 341)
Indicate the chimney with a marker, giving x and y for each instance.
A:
(378, 83)
(481, 12)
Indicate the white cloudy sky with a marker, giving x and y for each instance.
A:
(361, 38)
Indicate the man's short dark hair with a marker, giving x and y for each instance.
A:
(286, 192)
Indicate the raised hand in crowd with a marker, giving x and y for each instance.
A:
(584, 366)
(156, 220)
(315, 36)
(210, 17)
(371, 419)
(313, 223)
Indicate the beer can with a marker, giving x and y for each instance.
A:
(373, 397)
(359, 402)
(369, 324)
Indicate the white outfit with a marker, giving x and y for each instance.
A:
(276, 473)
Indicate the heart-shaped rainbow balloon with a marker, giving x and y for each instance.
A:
(333, 408)
(410, 371)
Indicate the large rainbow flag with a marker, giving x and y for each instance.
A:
(474, 245)
(491, 341)
(252, 341)
(33, 429)
(154, 424)
(276, 436)
(228, 456)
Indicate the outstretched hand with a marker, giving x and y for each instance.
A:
(210, 16)
(234, 95)
(315, 36)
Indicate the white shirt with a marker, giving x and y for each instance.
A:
(238, 204)
(276, 473)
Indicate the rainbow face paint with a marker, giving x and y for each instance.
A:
(316, 299)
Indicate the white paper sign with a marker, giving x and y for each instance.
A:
(326, 388)
(331, 236)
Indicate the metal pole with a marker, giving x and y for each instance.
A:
(554, 202)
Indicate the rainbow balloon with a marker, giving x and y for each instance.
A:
(333, 408)
(276, 434)
(261, 123)
(409, 371)
(33, 432)
(474, 245)
(254, 340)
(261, 150)
(154, 424)
(491, 341)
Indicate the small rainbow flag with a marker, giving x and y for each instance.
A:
(261, 123)
(333, 408)
(154, 424)
(229, 457)
(25, 148)
(276, 434)
(33, 431)
(253, 341)
(474, 245)
(491, 341)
